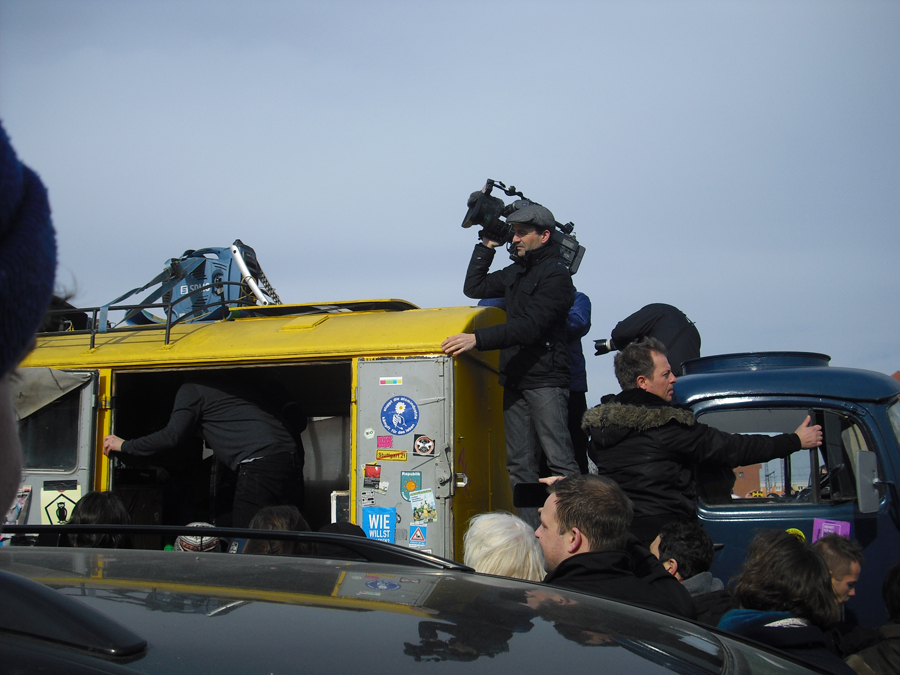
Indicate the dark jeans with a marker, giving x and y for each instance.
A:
(536, 420)
(272, 480)
(577, 408)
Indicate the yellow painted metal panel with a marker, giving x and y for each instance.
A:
(266, 339)
(479, 446)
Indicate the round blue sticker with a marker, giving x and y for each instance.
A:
(383, 585)
(400, 415)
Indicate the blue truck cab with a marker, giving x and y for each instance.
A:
(847, 485)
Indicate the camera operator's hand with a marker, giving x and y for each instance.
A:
(458, 344)
(490, 243)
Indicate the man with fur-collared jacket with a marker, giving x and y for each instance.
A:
(650, 447)
(534, 360)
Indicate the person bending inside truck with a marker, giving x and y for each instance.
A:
(534, 358)
(257, 441)
(650, 447)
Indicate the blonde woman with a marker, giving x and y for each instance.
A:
(502, 544)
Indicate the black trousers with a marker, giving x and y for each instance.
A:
(272, 480)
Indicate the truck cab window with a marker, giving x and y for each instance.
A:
(49, 437)
(819, 475)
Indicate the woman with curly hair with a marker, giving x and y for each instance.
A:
(786, 599)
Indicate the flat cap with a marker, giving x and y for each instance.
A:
(532, 214)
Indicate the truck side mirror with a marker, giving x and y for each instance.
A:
(866, 482)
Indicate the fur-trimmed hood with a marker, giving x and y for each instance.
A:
(635, 410)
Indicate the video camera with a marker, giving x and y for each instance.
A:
(491, 213)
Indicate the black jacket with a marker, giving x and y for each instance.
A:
(650, 448)
(233, 425)
(538, 293)
(793, 635)
(667, 324)
(634, 576)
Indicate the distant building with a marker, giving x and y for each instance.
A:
(746, 480)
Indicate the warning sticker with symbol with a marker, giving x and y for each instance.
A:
(418, 535)
(58, 498)
(423, 445)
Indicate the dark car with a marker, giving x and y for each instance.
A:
(80, 610)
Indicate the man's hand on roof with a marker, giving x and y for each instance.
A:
(458, 344)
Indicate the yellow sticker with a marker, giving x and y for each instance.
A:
(391, 455)
(797, 533)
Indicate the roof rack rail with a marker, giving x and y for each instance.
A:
(94, 319)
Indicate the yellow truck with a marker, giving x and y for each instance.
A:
(402, 440)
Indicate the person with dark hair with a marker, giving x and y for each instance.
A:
(587, 547)
(667, 324)
(786, 600)
(686, 551)
(285, 518)
(27, 273)
(100, 508)
(883, 658)
(845, 559)
(534, 358)
(650, 447)
(252, 438)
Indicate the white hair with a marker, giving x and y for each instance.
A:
(500, 543)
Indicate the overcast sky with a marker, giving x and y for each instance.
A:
(740, 160)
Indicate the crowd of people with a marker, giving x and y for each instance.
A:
(631, 532)
(620, 518)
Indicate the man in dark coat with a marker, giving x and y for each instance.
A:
(578, 324)
(534, 358)
(258, 442)
(666, 323)
(650, 447)
(587, 547)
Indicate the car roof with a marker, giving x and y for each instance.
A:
(220, 613)
(779, 374)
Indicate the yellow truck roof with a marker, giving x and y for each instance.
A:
(337, 330)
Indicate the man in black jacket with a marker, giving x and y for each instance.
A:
(650, 447)
(254, 439)
(587, 547)
(666, 323)
(534, 360)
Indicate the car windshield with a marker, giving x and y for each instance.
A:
(894, 417)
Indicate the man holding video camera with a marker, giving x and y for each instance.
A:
(534, 361)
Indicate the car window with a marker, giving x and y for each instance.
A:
(894, 417)
(819, 475)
